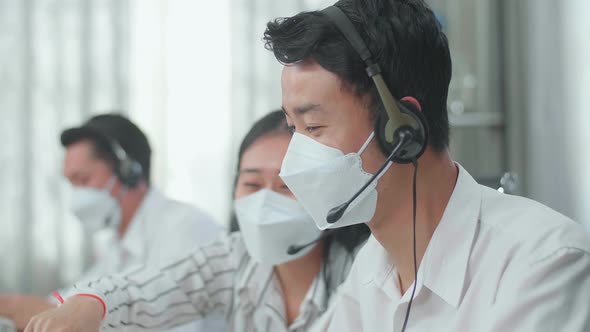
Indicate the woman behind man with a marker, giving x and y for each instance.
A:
(262, 278)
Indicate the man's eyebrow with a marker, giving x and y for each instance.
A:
(304, 109)
(307, 108)
(250, 170)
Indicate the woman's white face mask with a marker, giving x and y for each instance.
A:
(270, 223)
(322, 177)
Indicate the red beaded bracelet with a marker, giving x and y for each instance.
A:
(58, 296)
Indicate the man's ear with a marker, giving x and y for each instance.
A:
(413, 101)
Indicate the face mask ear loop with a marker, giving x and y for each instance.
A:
(384, 171)
(110, 183)
(124, 191)
(364, 147)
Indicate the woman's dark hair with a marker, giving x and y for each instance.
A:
(405, 39)
(348, 237)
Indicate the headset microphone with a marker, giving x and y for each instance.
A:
(295, 248)
(401, 130)
(336, 213)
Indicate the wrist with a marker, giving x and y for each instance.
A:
(89, 305)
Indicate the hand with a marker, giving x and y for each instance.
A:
(77, 314)
(20, 308)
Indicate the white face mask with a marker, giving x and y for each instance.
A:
(96, 208)
(271, 223)
(322, 178)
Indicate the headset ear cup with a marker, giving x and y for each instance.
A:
(381, 123)
(130, 172)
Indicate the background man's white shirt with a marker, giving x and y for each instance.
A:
(161, 231)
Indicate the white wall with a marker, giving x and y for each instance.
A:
(558, 112)
(576, 50)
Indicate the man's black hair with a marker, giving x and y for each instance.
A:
(102, 130)
(405, 38)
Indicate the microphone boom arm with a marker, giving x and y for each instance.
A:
(405, 135)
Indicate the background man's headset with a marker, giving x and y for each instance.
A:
(401, 130)
(127, 169)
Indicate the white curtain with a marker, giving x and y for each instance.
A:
(166, 63)
(180, 95)
(558, 112)
(256, 75)
(576, 48)
(59, 62)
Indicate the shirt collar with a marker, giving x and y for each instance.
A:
(255, 282)
(385, 276)
(446, 258)
(267, 291)
(444, 265)
(134, 240)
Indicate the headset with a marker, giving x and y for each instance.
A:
(399, 116)
(401, 131)
(127, 169)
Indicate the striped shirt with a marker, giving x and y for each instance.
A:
(220, 278)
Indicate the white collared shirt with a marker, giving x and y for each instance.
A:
(161, 230)
(220, 278)
(495, 263)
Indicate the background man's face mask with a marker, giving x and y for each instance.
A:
(96, 208)
(322, 177)
(270, 223)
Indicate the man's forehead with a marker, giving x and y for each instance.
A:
(80, 156)
(301, 71)
(308, 87)
(79, 152)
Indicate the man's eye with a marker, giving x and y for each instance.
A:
(311, 129)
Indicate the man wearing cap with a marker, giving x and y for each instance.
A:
(107, 162)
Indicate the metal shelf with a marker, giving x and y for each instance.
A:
(477, 119)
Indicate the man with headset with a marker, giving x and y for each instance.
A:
(365, 82)
(108, 163)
